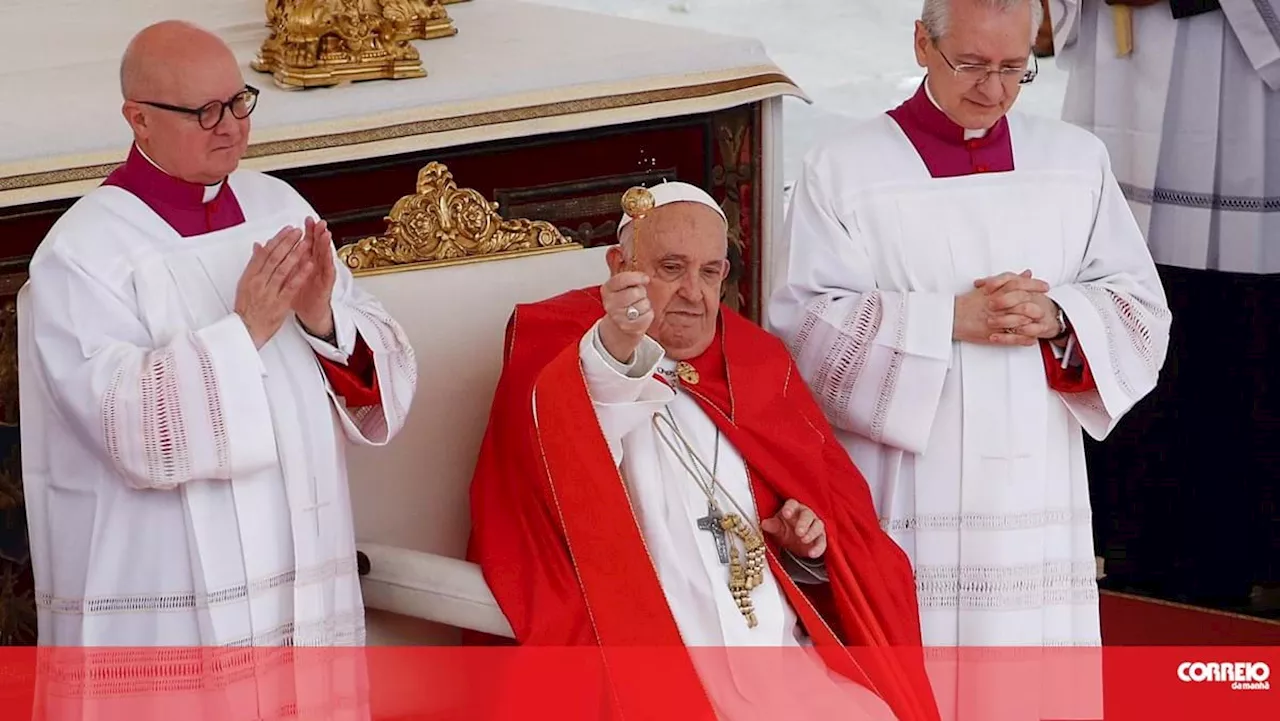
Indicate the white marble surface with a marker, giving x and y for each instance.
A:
(506, 54)
(852, 57)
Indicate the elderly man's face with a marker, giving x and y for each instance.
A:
(177, 141)
(683, 248)
(977, 34)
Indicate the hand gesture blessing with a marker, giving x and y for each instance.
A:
(798, 530)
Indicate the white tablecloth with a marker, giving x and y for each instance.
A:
(514, 69)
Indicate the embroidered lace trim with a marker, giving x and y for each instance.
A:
(1028, 651)
(213, 398)
(164, 433)
(1134, 317)
(401, 354)
(889, 384)
(846, 357)
(111, 672)
(142, 603)
(988, 521)
(1055, 583)
(1209, 201)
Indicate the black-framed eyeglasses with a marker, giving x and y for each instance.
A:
(977, 74)
(212, 112)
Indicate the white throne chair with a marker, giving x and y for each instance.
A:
(450, 270)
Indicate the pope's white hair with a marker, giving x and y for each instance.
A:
(936, 15)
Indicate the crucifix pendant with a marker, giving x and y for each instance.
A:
(711, 523)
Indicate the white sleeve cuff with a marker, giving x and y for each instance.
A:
(344, 327)
(232, 331)
(804, 570)
(928, 325)
(643, 363)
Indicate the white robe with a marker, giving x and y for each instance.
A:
(184, 488)
(1192, 121)
(976, 466)
(667, 503)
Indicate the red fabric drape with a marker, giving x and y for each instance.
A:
(357, 381)
(553, 530)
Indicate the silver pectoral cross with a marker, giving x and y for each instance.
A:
(711, 522)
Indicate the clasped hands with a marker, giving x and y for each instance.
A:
(293, 271)
(1006, 309)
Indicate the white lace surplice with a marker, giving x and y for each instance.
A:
(976, 466)
(183, 487)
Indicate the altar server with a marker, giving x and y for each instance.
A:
(965, 289)
(193, 358)
(1186, 96)
(629, 419)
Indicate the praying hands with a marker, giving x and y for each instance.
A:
(1007, 309)
(293, 271)
(270, 283)
(798, 530)
(313, 302)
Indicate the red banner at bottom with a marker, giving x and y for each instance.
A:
(974, 684)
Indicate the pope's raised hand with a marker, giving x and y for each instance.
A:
(627, 314)
(798, 530)
(270, 282)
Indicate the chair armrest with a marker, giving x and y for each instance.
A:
(431, 587)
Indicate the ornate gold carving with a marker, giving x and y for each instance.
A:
(328, 42)
(734, 173)
(419, 19)
(442, 223)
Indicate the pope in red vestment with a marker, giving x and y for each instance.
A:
(559, 534)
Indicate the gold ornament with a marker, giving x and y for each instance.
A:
(442, 224)
(746, 571)
(637, 201)
(328, 42)
(687, 373)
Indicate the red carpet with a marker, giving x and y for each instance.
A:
(1136, 621)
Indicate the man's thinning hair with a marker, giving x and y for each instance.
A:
(626, 236)
(936, 15)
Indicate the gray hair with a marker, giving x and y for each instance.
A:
(936, 14)
(626, 235)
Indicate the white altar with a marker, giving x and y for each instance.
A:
(514, 69)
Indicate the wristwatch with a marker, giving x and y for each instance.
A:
(1065, 327)
(332, 337)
